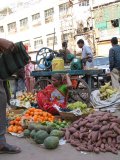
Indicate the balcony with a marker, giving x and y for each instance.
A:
(49, 19)
(36, 23)
(24, 28)
(65, 15)
(12, 31)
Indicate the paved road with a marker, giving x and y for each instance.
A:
(32, 151)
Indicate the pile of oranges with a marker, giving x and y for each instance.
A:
(38, 115)
(15, 126)
(32, 114)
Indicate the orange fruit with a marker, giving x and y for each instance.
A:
(15, 129)
(16, 122)
(18, 118)
(11, 122)
(27, 112)
(36, 113)
(9, 129)
(27, 115)
(35, 118)
(19, 128)
(31, 113)
(32, 109)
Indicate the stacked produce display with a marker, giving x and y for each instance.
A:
(106, 91)
(14, 113)
(15, 126)
(79, 105)
(29, 116)
(38, 125)
(31, 97)
(45, 134)
(93, 132)
(97, 132)
(26, 99)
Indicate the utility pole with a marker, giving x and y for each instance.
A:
(54, 39)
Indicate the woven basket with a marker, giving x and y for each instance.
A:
(69, 116)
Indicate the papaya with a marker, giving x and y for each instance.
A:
(40, 136)
(51, 142)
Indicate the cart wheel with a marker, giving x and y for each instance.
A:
(80, 90)
(41, 84)
(44, 57)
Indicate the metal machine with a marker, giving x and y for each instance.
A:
(45, 56)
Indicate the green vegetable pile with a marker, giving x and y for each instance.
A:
(57, 124)
(80, 105)
(47, 133)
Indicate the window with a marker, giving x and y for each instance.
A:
(35, 16)
(50, 41)
(115, 22)
(12, 27)
(24, 22)
(38, 43)
(101, 61)
(64, 9)
(66, 36)
(1, 29)
(84, 3)
(49, 15)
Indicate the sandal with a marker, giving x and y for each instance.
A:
(9, 149)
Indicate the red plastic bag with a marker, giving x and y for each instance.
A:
(44, 102)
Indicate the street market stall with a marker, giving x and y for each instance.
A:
(78, 123)
(90, 131)
(89, 73)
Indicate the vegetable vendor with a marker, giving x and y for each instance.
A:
(55, 93)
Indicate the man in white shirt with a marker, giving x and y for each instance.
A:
(87, 55)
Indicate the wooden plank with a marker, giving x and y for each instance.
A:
(71, 72)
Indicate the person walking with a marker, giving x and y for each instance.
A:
(114, 60)
(6, 47)
(29, 80)
(64, 51)
(87, 55)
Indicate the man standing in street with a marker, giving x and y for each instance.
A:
(87, 55)
(6, 47)
(114, 60)
(64, 52)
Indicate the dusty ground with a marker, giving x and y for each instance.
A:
(32, 151)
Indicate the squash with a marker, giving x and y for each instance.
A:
(26, 133)
(31, 126)
(51, 142)
(40, 136)
(32, 134)
(57, 133)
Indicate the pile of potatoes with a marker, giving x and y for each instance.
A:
(98, 132)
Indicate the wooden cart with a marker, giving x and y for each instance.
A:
(81, 91)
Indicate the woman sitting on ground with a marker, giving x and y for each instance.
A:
(54, 94)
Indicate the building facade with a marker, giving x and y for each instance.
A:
(45, 23)
(106, 15)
